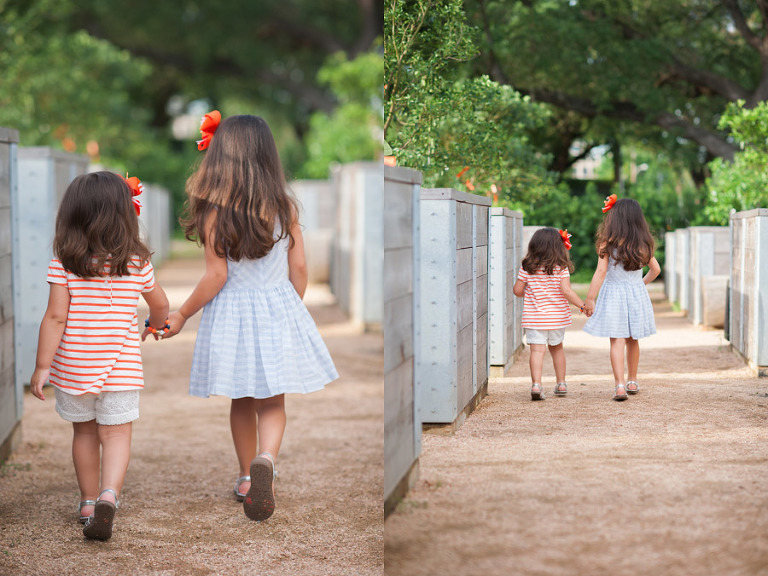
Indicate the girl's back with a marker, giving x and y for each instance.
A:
(617, 273)
(259, 273)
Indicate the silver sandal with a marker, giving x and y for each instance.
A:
(636, 387)
(559, 392)
(83, 519)
(99, 524)
(240, 495)
(620, 397)
(537, 395)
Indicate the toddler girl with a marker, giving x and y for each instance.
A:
(544, 284)
(256, 340)
(89, 339)
(623, 311)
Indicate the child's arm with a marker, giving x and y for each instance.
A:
(51, 329)
(570, 295)
(209, 285)
(653, 271)
(297, 261)
(594, 286)
(158, 309)
(519, 288)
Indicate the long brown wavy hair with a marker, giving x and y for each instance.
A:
(240, 182)
(624, 234)
(546, 251)
(97, 225)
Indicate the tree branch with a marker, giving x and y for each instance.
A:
(326, 42)
(372, 16)
(763, 6)
(623, 110)
(702, 78)
(741, 24)
(497, 73)
(698, 78)
(573, 159)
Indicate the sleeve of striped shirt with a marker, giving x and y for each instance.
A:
(148, 274)
(56, 273)
(523, 275)
(564, 273)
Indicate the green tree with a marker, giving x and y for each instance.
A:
(459, 130)
(89, 74)
(621, 72)
(353, 130)
(743, 183)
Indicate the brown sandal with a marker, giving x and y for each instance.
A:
(259, 501)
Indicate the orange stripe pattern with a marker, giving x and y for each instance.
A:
(99, 350)
(544, 305)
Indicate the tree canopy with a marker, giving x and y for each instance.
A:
(651, 70)
(458, 129)
(112, 79)
(514, 92)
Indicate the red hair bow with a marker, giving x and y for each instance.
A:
(609, 202)
(564, 235)
(136, 189)
(208, 127)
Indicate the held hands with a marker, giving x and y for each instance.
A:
(177, 320)
(589, 307)
(38, 380)
(173, 326)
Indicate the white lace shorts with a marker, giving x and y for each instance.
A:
(549, 337)
(107, 408)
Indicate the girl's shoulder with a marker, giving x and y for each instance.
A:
(136, 266)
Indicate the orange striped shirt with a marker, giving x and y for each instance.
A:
(99, 350)
(544, 305)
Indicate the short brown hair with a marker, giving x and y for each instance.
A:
(546, 251)
(97, 225)
(241, 183)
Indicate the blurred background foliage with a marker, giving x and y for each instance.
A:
(507, 97)
(127, 82)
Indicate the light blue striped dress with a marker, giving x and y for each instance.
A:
(256, 338)
(623, 308)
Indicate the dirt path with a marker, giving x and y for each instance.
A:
(671, 482)
(178, 515)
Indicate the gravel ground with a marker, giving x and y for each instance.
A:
(670, 482)
(178, 515)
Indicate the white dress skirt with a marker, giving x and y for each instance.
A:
(623, 308)
(256, 338)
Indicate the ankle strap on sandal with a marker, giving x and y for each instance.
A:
(117, 502)
(271, 458)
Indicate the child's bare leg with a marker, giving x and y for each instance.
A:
(259, 501)
(271, 413)
(633, 358)
(558, 361)
(536, 362)
(617, 359)
(115, 456)
(242, 422)
(85, 455)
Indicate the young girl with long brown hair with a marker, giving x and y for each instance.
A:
(256, 340)
(623, 311)
(89, 337)
(544, 284)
